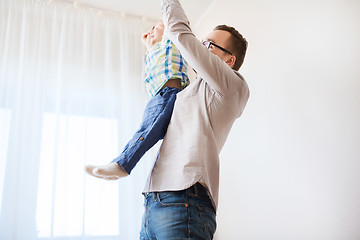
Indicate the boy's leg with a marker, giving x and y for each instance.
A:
(155, 121)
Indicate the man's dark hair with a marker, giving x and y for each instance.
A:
(237, 46)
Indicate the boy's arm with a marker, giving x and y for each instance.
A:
(209, 66)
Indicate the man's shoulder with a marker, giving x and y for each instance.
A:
(239, 75)
(241, 80)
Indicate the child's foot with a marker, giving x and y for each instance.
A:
(112, 171)
(90, 170)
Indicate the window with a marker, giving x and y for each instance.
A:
(5, 118)
(68, 201)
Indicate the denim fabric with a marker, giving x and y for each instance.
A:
(157, 115)
(186, 214)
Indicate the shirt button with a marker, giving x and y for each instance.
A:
(141, 138)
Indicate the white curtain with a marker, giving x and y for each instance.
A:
(71, 93)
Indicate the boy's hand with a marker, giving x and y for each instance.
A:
(153, 36)
(145, 40)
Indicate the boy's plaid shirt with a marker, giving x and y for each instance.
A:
(164, 62)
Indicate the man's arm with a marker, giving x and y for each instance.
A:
(210, 67)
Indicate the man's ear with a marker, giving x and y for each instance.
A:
(231, 61)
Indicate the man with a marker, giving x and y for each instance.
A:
(181, 194)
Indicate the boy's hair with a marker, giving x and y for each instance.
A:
(237, 46)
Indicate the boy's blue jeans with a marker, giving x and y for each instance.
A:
(186, 214)
(157, 115)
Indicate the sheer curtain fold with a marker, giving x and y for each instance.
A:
(71, 93)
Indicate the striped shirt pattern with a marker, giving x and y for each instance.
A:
(164, 62)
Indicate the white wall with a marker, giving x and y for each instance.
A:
(290, 168)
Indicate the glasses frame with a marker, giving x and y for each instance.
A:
(208, 44)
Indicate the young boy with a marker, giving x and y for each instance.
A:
(165, 76)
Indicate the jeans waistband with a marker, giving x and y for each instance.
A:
(196, 189)
(168, 89)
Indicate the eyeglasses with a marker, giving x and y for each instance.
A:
(209, 43)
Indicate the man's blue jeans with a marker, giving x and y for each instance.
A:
(157, 115)
(186, 214)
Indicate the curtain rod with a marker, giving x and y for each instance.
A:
(100, 11)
